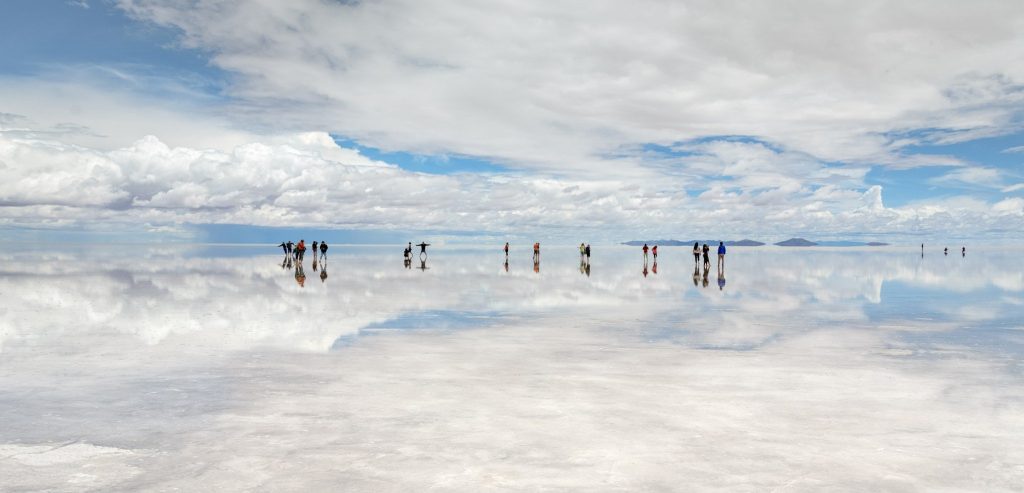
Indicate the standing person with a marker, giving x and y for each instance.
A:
(721, 256)
(654, 251)
(316, 246)
(963, 251)
(423, 248)
(290, 246)
(284, 246)
(506, 249)
(645, 252)
(945, 251)
(536, 252)
(696, 255)
(707, 261)
(323, 249)
(300, 249)
(587, 252)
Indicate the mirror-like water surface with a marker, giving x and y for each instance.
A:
(227, 368)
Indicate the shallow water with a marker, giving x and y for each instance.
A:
(214, 368)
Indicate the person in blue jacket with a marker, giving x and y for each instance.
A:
(721, 256)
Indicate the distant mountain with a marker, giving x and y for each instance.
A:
(690, 243)
(796, 242)
(751, 243)
(877, 243)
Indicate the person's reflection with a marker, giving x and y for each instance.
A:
(721, 280)
(654, 267)
(696, 275)
(588, 269)
(314, 264)
(536, 263)
(645, 266)
(300, 275)
(506, 264)
(583, 264)
(423, 264)
(284, 263)
(407, 262)
(323, 269)
(704, 280)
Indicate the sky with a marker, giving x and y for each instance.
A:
(601, 120)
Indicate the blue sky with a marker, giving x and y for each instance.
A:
(655, 130)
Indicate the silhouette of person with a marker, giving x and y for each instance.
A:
(587, 251)
(945, 251)
(707, 260)
(316, 246)
(506, 250)
(423, 249)
(696, 254)
(963, 252)
(721, 256)
(284, 246)
(323, 249)
(654, 251)
(290, 246)
(645, 252)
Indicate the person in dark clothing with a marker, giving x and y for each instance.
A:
(323, 249)
(290, 246)
(707, 260)
(587, 250)
(316, 246)
(696, 254)
(284, 246)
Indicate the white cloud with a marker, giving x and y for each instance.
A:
(558, 86)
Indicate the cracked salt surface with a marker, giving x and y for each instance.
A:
(812, 370)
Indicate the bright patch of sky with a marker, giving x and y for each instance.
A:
(535, 118)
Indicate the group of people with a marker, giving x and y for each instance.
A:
(298, 250)
(698, 252)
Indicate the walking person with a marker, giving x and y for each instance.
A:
(721, 256)
(645, 252)
(506, 250)
(707, 260)
(696, 254)
(654, 251)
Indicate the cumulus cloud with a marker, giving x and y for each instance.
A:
(309, 180)
(558, 86)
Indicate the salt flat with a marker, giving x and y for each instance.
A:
(212, 369)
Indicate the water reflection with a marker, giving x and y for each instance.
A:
(808, 357)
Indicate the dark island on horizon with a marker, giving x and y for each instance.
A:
(792, 242)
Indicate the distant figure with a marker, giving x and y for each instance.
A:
(587, 252)
(721, 280)
(536, 252)
(284, 246)
(645, 252)
(300, 249)
(721, 256)
(922, 250)
(583, 250)
(506, 252)
(963, 252)
(707, 260)
(654, 251)
(945, 251)
(407, 253)
(316, 246)
(290, 246)
(423, 247)
(696, 256)
(323, 250)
